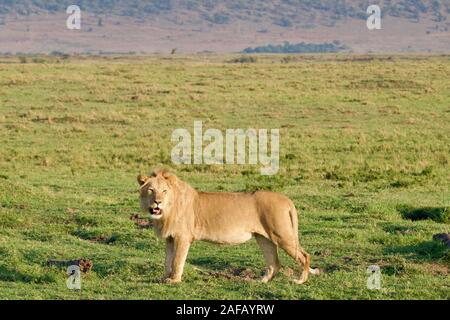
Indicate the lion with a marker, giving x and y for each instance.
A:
(182, 215)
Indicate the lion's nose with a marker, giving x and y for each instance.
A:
(158, 202)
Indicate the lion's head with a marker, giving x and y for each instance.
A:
(157, 193)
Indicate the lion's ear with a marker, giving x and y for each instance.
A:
(141, 179)
(170, 177)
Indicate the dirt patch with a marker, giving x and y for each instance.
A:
(84, 264)
(433, 268)
(141, 222)
(232, 273)
(103, 239)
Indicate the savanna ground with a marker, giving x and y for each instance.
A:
(364, 151)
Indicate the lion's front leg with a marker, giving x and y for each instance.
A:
(170, 254)
(181, 248)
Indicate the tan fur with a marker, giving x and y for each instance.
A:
(188, 215)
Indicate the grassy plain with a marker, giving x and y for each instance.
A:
(364, 147)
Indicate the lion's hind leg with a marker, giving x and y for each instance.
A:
(294, 250)
(270, 251)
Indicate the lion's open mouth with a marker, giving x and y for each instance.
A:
(155, 211)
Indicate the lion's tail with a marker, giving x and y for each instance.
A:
(294, 220)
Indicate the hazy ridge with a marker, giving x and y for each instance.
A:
(221, 26)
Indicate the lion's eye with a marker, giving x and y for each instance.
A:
(150, 191)
(165, 191)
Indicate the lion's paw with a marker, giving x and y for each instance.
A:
(171, 281)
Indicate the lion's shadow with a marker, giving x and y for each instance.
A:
(420, 252)
(220, 269)
(210, 263)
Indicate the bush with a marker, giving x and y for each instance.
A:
(38, 60)
(244, 59)
(283, 22)
(441, 215)
(60, 54)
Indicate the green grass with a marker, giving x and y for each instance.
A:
(361, 140)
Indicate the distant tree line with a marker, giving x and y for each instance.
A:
(301, 47)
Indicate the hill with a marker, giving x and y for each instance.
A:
(281, 12)
(222, 26)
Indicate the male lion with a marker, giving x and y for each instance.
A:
(182, 215)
